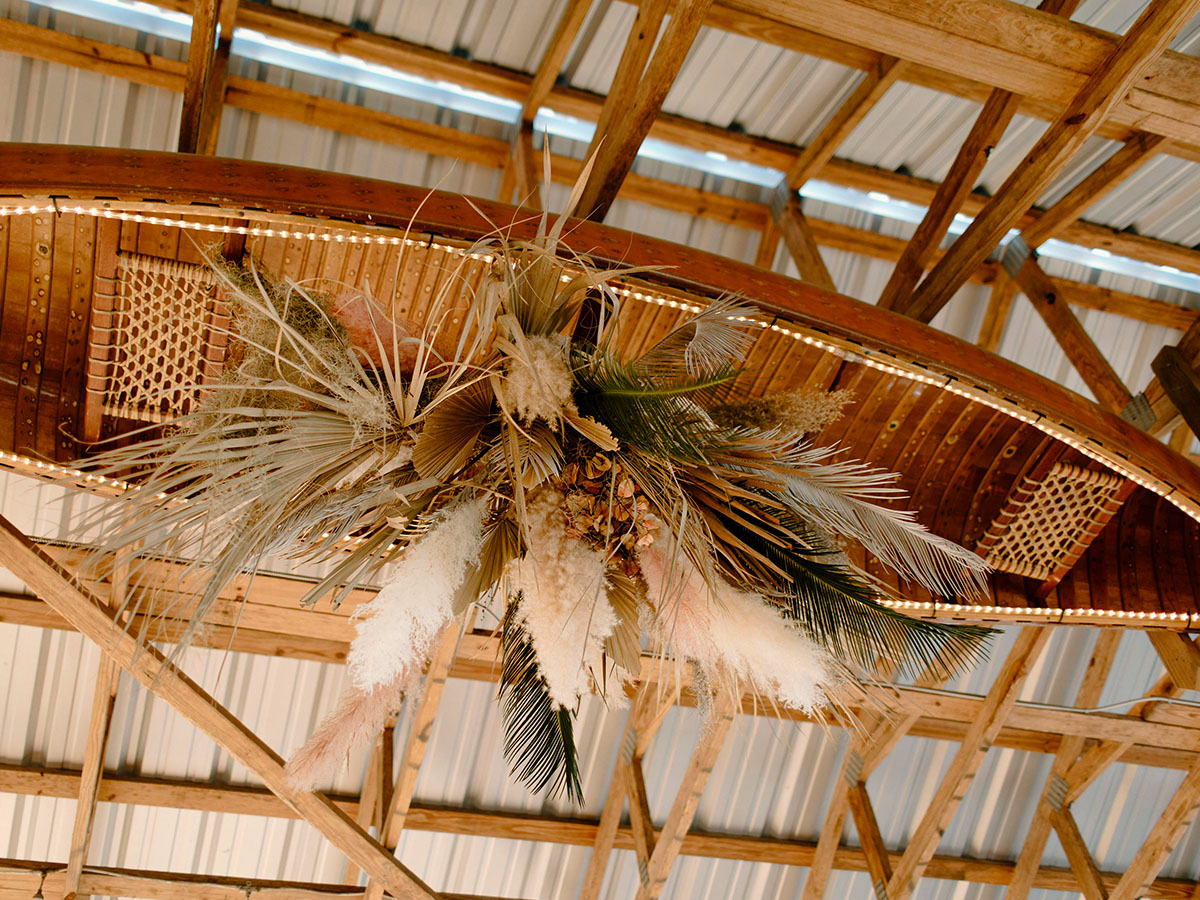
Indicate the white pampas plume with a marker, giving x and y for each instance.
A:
(565, 606)
(538, 385)
(358, 716)
(723, 629)
(396, 630)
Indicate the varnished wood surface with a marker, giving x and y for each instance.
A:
(957, 458)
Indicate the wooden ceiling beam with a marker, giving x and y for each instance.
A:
(964, 172)
(953, 786)
(669, 842)
(20, 878)
(556, 54)
(960, 180)
(1091, 882)
(419, 734)
(1075, 342)
(995, 317)
(990, 42)
(879, 863)
(256, 801)
(201, 54)
(872, 739)
(641, 724)
(270, 629)
(1135, 153)
(799, 238)
(1166, 833)
(1162, 408)
(1103, 90)
(1181, 656)
(141, 68)
(104, 699)
(1180, 380)
(160, 677)
(820, 150)
(1094, 678)
(639, 89)
(767, 25)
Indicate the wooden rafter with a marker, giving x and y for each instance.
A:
(1139, 149)
(1091, 882)
(995, 317)
(1181, 656)
(799, 238)
(347, 118)
(270, 627)
(556, 54)
(966, 762)
(1025, 51)
(669, 842)
(1094, 678)
(103, 701)
(201, 54)
(150, 667)
(20, 878)
(1181, 810)
(868, 92)
(255, 801)
(643, 721)
(639, 89)
(1076, 343)
(964, 172)
(420, 731)
(1162, 408)
(1143, 43)
(1180, 381)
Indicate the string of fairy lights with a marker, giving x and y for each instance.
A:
(876, 359)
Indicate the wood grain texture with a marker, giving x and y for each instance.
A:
(1099, 94)
(151, 668)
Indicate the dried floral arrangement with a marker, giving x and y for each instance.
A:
(606, 504)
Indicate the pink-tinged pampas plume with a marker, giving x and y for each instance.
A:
(565, 608)
(397, 629)
(358, 717)
(726, 632)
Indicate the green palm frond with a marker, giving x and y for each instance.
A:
(838, 608)
(658, 417)
(539, 739)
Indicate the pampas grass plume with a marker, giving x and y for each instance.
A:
(396, 630)
(724, 630)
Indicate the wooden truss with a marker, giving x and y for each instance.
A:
(1083, 744)
(1037, 63)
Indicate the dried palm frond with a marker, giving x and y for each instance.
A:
(592, 495)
